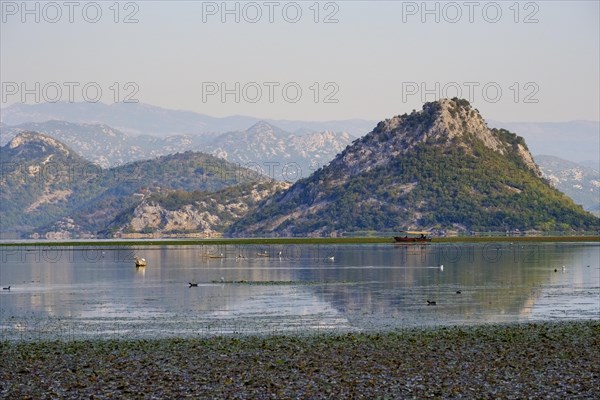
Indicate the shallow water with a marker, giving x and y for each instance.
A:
(96, 291)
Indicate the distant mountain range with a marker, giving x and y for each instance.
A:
(281, 155)
(263, 147)
(104, 145)
(441, 168)
(577, 141)
(139, 118)
(577, 181)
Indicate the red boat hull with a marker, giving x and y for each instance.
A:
(399, 239)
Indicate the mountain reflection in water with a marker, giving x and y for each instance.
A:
(96, 291)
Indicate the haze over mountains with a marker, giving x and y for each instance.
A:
(177, 193)
(577, 181)
(269, 148)
(138, 118)
(104, 145)
(282, 155)
(576, 141)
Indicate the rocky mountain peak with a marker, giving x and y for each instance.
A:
(437, 168)
(37, 143)
(263, 127)
(446, 123)
(443, 121)
(456, 117)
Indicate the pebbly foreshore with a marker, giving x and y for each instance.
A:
(533, 360)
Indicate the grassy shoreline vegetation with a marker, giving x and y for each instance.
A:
(268, 241)
(531, 360)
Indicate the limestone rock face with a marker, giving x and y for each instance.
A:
(206, 213)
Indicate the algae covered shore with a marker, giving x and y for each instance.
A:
(534, 360)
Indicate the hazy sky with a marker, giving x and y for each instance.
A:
(525, 61)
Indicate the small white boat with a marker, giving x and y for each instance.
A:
(209, 255)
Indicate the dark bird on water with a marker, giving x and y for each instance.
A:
(193, 284)
(458, 292)
(431, 302)
(6, 288)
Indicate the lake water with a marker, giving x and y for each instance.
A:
(96, 291)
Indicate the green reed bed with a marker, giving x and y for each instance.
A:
(283, 241)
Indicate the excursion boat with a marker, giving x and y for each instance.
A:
(413, 237)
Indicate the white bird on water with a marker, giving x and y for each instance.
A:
(441, 267)
(139, 262)
(331, 258)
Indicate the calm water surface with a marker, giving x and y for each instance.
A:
(74, 293)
